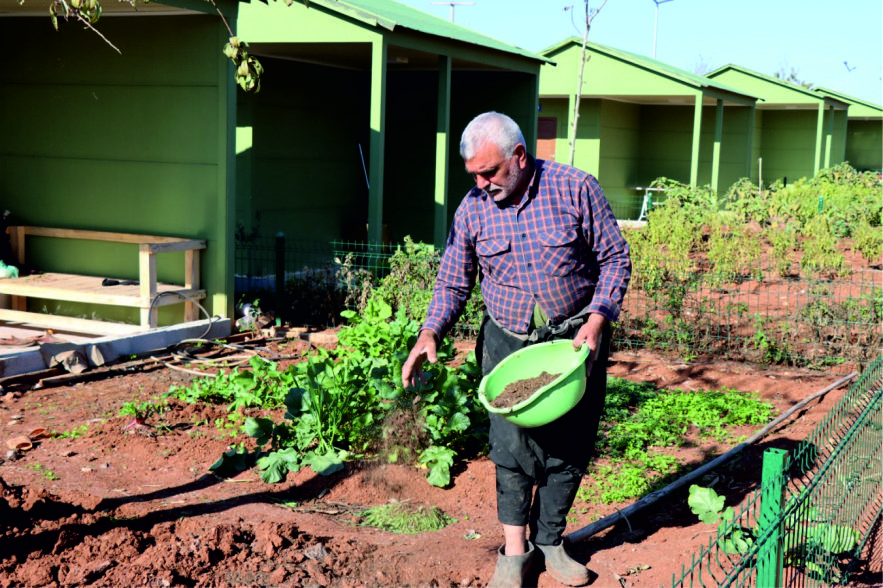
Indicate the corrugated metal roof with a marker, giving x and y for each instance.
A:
(390, 14)
(658, 67)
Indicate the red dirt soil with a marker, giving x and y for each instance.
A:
(137, 506)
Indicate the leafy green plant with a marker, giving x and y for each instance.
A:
(868, 241)
(43, 471)
(709, 507)
(811, 542)
(734, 253)
(337, 401)
(774, 349)
(408, 285)
(782, 237)
(820, 254)
(142, 411)
(640, 420)
(264, 385)
(401, 517)
(74, 433)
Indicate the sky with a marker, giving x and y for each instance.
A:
(833, 44)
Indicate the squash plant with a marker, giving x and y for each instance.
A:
(811, 542)
(338, 400)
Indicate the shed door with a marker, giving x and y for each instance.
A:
(547, 131)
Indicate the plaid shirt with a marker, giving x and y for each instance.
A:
(559, 247)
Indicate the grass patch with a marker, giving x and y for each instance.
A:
(406, 519)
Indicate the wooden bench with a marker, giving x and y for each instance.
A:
(147, 295)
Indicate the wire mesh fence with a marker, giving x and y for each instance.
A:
(815, 520)
(817, 318)
(762, 317)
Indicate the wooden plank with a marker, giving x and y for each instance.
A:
(17, 240)
(165, 296)
(88, 289)
(184, 245)
(67, 323)
(191, 281)
(147, 273)
(97, 235)
(112, 347)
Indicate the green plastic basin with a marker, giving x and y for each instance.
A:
(549, 402)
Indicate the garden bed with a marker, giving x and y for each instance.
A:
(112, 504)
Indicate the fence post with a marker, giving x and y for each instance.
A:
(772, 488)
(280, 275)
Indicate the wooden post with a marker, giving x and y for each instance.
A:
(191, 282)
(17, 241)
(147, 281)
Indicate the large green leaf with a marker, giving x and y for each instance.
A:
(834, 538)
(325, 464)
(259, 428)
(233, 461)
(705, 503)
(439, 461)
(275, 466)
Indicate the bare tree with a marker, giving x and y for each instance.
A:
(590, 16)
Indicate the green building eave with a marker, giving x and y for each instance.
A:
(396, 21)
(858, 108)
(773, 91)
(657, 72)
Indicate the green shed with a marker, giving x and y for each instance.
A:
(356, 127)
(864, 131)
(640, 119)
(797, 131)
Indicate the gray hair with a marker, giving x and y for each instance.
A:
(491, 127)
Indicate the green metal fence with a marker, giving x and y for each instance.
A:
(815, 520)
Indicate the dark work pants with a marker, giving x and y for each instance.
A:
(552, 457)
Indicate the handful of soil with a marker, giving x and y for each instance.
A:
(521, 390)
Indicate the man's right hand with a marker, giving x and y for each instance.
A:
(424, 349)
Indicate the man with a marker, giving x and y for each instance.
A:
(552, 264)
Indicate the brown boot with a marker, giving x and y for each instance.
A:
(562, 567)
(511, 569)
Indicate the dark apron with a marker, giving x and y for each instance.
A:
(551, 457)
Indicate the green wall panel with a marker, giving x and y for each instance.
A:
(666, 143)
(132, 143)
(788, 147)
(864, 147)
(102, 125)
(619, 165)
(306, 174)
(409, 177)
(604, 75)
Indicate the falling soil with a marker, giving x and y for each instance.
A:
(521, 390)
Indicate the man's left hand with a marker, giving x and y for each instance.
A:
(590, 333)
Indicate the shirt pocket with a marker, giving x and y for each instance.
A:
(561, 252)
(496, 259)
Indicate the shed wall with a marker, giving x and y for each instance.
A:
(131, 143)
